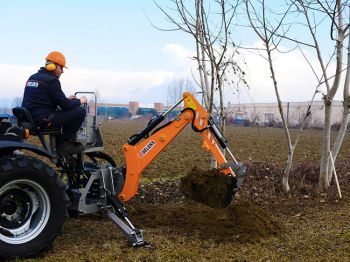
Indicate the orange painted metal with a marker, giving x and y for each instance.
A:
(139, 156)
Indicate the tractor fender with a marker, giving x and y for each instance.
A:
(9, 146)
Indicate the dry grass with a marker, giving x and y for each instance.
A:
(316, 228)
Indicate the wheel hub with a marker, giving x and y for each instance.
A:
(9, 207)
(24, 211)
(15, 208)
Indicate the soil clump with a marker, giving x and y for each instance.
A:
(209, 187)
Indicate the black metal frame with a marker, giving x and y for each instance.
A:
(25, 120)
(81, 178)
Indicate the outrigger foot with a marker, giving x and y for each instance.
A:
(119, 216)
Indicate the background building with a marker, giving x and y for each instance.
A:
(133, 108)
(265, 113)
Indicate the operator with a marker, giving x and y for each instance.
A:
(49, 106)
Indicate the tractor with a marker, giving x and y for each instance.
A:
(39, 188)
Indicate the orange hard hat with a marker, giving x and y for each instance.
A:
(57, 57)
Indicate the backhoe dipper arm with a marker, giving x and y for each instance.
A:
(139, 154)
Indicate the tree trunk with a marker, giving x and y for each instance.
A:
(286, 172)
(201, 58)
(323, 179)
(339, 140)
(345, 117)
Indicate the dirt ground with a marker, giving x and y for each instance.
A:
(261, 224)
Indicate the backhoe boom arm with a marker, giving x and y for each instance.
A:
(141, 150)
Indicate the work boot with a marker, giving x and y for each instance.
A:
(69, 148)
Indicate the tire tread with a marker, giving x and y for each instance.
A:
(26, 162)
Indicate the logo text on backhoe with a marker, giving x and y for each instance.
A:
(147, 148)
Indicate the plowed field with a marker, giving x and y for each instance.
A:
(261, 224)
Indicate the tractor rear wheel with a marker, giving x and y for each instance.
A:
(33, 207)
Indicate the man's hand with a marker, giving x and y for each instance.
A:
(72, 97)
(83, 100)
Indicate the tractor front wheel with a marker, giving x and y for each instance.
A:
(33, 207)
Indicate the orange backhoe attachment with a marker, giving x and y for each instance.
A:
(143, 148)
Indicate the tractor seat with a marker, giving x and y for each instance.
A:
(25, 120)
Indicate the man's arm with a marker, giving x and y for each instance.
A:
(83, 99)
(60, 98)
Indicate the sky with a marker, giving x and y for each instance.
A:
(112, 48)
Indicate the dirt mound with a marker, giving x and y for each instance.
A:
(240, 222)
(252, 222)
(209, 187)
(263, 181)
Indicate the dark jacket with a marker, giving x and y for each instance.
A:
(43, 95)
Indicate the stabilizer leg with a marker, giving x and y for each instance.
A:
(119, 217)
(134, 235)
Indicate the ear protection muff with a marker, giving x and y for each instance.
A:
(50, 67)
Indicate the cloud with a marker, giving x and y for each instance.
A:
(177, 51)
(295, 79)
(113, 86)
(119, 86)
(180, 57)
(13, 79)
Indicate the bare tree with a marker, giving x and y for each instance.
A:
(315, 12)
(208, 22)
(345, 116)
(268, 32)
(177, 87)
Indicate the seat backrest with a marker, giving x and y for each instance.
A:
(24, 119)
(4, 126)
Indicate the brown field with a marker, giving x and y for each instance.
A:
(260, 225)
